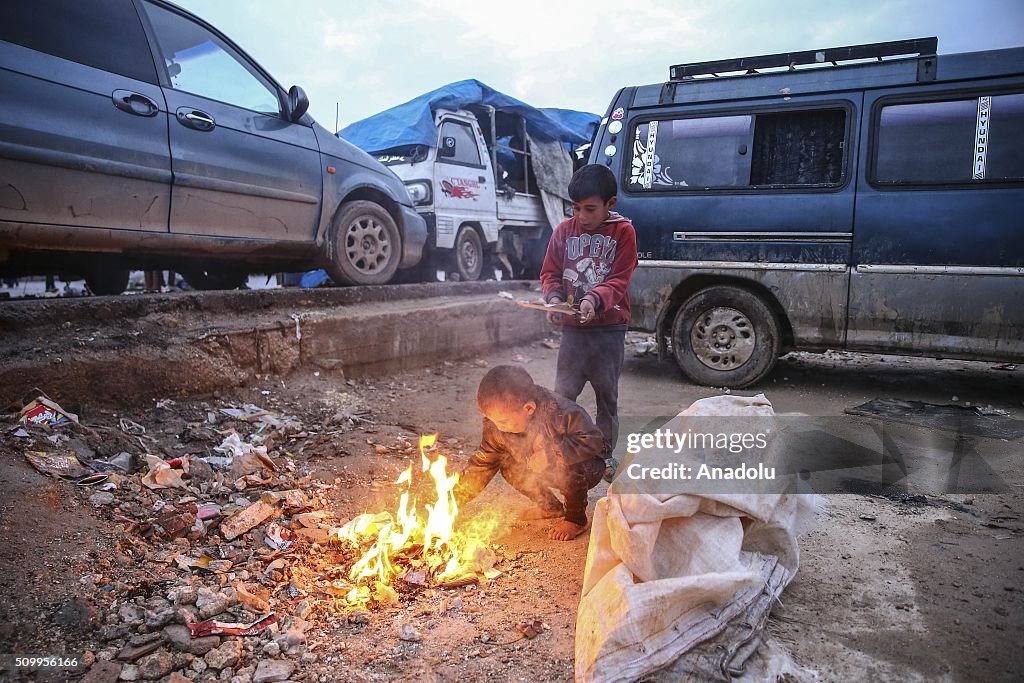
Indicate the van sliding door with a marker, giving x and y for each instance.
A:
(939, 260)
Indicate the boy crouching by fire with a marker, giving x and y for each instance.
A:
(539, 441)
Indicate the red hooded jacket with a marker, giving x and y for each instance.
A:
(595, 265)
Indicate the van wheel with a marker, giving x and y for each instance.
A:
(207, 280)
(725, 336)
(468, 254)
(106, 281)
(367, 246)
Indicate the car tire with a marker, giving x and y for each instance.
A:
(468, 254)
(208, 280)
(725, 336)
(366, 246)
(106, 281)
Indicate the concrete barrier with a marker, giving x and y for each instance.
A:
(142, 347)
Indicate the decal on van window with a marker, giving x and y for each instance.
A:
(647, 169)
(968, 140)
(981, 137)
(460, 188)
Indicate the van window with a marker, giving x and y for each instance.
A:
(200, 63)
(777, 149)
(951, 141)
(104, 34)
(466, 149)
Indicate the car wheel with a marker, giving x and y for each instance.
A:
(206, 280)
(468, 254)
(725, 336)
(366, 245)
(106, 281)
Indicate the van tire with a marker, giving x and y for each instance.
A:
(103, 281)
(468, 254)
(725, 336)
(366, 246)
(213, 279)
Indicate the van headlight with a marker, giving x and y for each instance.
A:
(419, 192)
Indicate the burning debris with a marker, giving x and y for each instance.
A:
(224, 538)
(416, 547)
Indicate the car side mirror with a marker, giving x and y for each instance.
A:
(447, 149)
(298, 103)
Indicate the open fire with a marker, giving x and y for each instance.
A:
(418, 544)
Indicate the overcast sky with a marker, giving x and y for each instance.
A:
(369, 55)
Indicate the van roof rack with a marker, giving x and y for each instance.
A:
(749, 65)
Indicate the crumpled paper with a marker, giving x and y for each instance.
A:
(161, 475)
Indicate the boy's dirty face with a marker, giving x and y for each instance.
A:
(509, 418)
(592, 211)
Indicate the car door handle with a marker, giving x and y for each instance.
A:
(481, 179)
(194, 118)
(134, 103)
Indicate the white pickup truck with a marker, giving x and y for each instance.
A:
(489, 200)
(488, 172)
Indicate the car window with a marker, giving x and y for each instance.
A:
(199, 62)
(104, 34)
(466, 150)
(774, 149)
(952, 141)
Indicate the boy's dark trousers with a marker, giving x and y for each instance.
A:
(593, 355)
(572, 482)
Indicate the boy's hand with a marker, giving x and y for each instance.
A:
(554, 318)
(587, 312)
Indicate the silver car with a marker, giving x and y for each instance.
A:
(135, 135)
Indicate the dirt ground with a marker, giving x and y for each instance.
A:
(890, 587)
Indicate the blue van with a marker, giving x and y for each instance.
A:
(868, 198)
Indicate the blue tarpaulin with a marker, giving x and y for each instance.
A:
(582, 122)
(412, 123)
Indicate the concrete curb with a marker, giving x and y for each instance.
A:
(193, 345)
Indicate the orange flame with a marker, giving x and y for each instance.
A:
(434, 532)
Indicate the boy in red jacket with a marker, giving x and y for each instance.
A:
(588, 263)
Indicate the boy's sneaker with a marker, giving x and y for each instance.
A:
(611, 466)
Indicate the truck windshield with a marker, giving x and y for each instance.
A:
(407, 154)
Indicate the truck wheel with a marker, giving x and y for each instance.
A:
(106, 281)
(725, 336)
(367, 247)
(468, 254)
(207, 280)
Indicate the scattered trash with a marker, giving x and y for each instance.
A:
(211, 627)
(129, 427)
(64, 465)
(246, 519)
(43, 411)
(868, 518)
(161, 475)
(520, 358)
(1009, 367)
(550, 344)
(21, 433)
(298, 330)
(531, 629)
(506, 295)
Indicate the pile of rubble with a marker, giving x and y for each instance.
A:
(229, 558)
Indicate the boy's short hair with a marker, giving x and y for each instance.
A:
(593, 180)
(508, 385)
